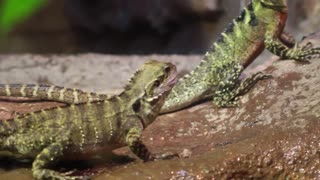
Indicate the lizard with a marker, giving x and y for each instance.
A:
(259, 26)
(82, 130)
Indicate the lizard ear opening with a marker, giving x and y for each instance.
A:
(136, 106)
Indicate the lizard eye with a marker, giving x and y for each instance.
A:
(167, 70)
(136, 106)
(156, 83)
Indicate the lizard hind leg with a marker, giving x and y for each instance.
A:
(227, 77)
(136, 145)
(228, 98)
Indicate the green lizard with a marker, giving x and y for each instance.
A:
(86, 129)
(260, 25)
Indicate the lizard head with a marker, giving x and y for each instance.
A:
(277, 5)
(151, 84)
(163, 77)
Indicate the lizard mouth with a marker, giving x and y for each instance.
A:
(170, 82)
(172, 78)
(167, 85)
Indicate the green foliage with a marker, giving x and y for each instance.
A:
(13, 11)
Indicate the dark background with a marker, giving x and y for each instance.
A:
(138, 26)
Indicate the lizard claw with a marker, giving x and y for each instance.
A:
(164, 156)
(307, 46)
(266, 76)
(68, 175)
(304, 60)
(223, 103)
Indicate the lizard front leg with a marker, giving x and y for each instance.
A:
(136, 145)
(139, 149)
(277, 47)
(47, 157)
(288, 39)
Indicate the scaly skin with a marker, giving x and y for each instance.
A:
(82, 130)
(259, 26)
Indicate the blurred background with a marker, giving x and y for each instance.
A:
(128, 26)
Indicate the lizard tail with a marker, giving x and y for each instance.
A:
(50, 92)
